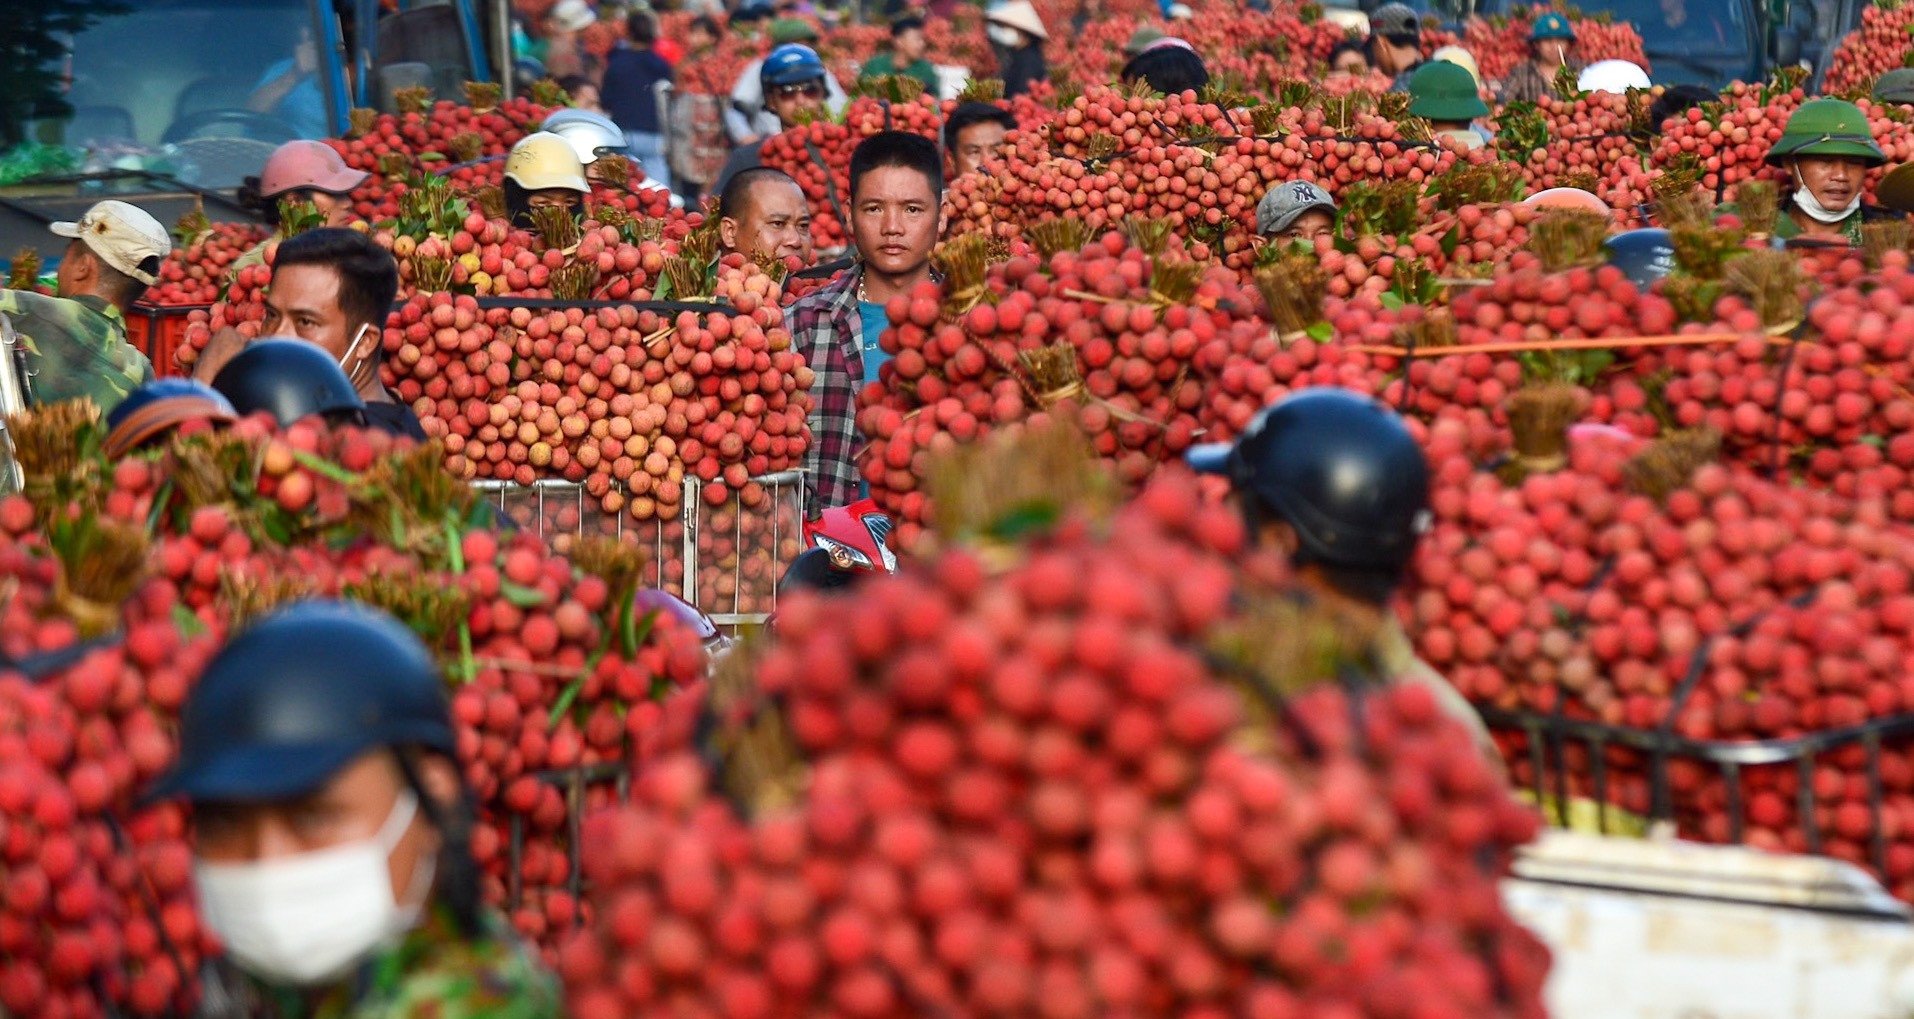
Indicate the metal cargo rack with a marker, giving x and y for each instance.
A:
(548, 497)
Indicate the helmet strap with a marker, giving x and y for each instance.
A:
(457, 877)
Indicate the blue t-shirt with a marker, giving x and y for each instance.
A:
(304, 107)
(875, 322)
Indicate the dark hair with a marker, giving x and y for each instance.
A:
(116, 286)
(572, 82)
(708, 24)
(368, 277)
(898, 148)
(1167, 69)
(1347, 46)
(641, 27)
(1678, 100)
(969, 115)
(905, 24)
(737, 191)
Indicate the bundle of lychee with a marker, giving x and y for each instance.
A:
(1878, 45)
(1499, 44)
(1103, 334)
(195, 272)
(1592, 140)
(818, 155)
(1032, 792)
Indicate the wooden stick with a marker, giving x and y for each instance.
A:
(1580, 343)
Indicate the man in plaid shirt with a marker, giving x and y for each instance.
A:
(897, 188)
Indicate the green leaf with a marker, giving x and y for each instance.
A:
(186, 622)
(564, 702)
(1393, 301)
(1321, 332)
(1451, 240)
(521, 596)
(324, 468)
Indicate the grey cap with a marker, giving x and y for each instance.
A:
(1395, 19)
(1288, 200)
(1896, 86)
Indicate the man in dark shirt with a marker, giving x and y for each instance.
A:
(630, 94)
(331, 288)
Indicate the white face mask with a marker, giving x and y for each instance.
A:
(1004, 35)
(352, 369)
(1805, 201)
(307, 918)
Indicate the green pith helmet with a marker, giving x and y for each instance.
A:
(1827, 127)
(1896, 86)
(1551, 26)
(1443, 92)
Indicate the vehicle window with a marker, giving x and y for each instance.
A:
(1710, 26)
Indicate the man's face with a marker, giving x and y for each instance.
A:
(1349, 63)
(553, 198)
(336, 208)
(1553, 52)
(909, 45)
(350, 808)
(1833, 180)
(775, 220)
(696, 38)
(787, 101)
(1306, 228)
(895, 219)
(302, 303)
(975, 144)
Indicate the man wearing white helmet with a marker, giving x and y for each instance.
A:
(76, 343)
(593, 136)
(543, 171)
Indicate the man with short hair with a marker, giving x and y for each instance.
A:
(1395, 43)
(630, 94)
(762, 212)
(334, 289)
(897, 188)
(906, 56)
(1296, 211)
(795, 84)
(973, 133)
(75, 344)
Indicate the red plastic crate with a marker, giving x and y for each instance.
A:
(157, 331)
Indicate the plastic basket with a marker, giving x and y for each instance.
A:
(158, 330)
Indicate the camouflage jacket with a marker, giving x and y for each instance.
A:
(432, 972)
(75, 348)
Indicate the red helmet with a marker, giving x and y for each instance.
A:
(857, 537)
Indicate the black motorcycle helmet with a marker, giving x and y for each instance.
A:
(290, 379)
(151, 412)
(300, 694)
(1344, 473)
(1644, 255)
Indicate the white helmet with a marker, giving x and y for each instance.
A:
(1616, 76)
(591, 134)
(544, 160)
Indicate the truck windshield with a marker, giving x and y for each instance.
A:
(170, 76)
(1684, 26)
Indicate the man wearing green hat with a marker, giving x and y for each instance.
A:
(1826, 149)
(747, 121)
(1551, 41)
(1896, 86)
(1445, 95)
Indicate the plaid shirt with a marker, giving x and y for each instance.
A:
(827, 328)
(1528, 85)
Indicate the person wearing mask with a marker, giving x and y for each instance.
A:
(1170, 66)
(633, 75)
(1017, 36)
(751, 118)
(564, 55)
(896, 208)
(331, 830)
(1445, 95)
(543, 171)
(75, 344)
(1337, 483)
(795, 84)
(1551, 48)
(906, 56)
(333, 289)
(1395, 43)
(762, 214)
(973, 133)
(1295, 212)
(1349, 59)
(1826, 149)
(302, 172)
